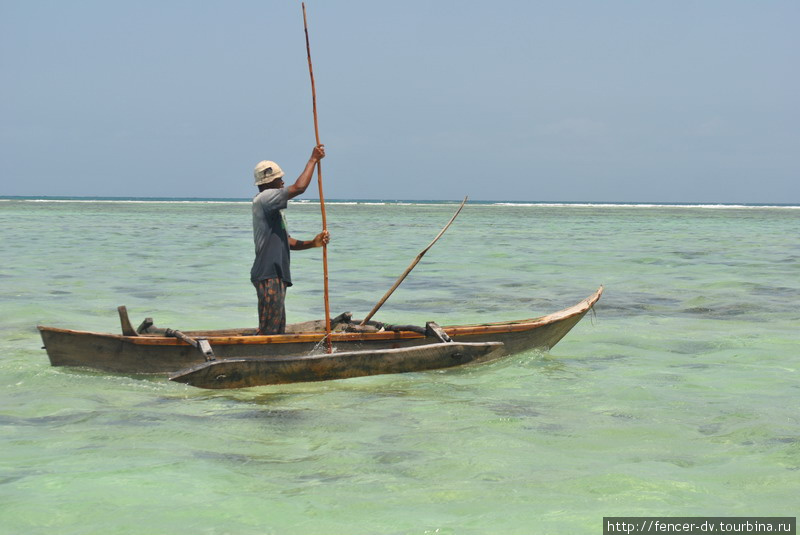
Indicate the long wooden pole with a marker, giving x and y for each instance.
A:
(402, 277)
(321, 196)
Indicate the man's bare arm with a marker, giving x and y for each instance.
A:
(302, 182)
(319, 240)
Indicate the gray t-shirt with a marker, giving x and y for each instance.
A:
(270, 236)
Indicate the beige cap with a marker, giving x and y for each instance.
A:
(267, 171)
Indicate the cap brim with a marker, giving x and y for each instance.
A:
(267, 180)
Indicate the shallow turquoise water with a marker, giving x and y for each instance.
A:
(679, 397)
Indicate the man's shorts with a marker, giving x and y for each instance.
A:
(271, 308)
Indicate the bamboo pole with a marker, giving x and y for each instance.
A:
(402, 277)
(321, 196)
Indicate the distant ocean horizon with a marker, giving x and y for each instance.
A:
(379, 201)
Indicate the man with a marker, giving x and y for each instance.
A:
(270, 273)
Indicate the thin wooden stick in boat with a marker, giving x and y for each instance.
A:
(321, 196)
(201, 344)
(413, 264)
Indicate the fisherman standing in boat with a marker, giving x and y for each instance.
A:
(270, 273)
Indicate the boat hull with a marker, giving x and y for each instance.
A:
(155, 354)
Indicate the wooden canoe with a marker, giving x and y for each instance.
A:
(154, 353)
(242, 373)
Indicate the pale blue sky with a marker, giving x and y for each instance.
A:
(650, 101)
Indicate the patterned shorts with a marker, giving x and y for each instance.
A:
(271, 310)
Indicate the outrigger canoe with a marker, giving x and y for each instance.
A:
(150, 350)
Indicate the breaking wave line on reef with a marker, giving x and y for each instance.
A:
(711, 206)
(400, 202)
